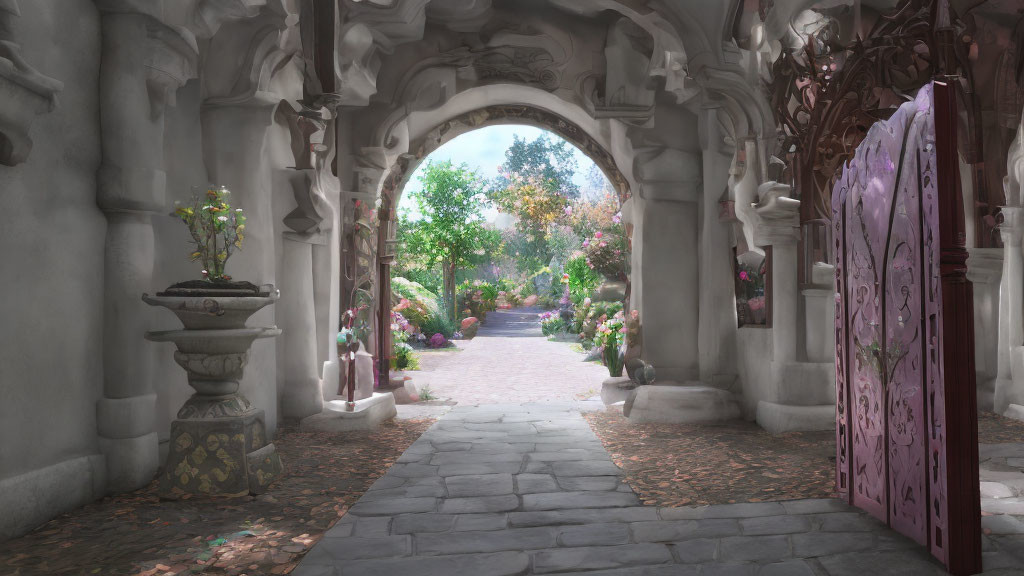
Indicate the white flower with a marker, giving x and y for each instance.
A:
(238, 209)
(222, 218)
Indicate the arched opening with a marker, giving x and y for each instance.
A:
(402, 172)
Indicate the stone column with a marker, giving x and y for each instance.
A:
(143, 63)
(717, 320)
(301, 396)
(779, 230)
(234, 147)
(1011, 319)
(801, 395)
(984, 268)
(670, 188)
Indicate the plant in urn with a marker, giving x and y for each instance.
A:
(218, 444)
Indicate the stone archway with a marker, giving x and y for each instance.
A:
(405, 165)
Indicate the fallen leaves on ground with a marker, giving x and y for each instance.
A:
(689, 465)
(996, 429)
(137, 534)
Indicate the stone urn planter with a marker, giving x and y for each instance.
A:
(219, 444)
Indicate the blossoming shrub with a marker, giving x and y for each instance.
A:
(437, 341)
(422, 304)
(593, 314)
(216, 230)
(551, 323)
(610, 334)
(606, 252)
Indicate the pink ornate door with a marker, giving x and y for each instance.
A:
(906, 419)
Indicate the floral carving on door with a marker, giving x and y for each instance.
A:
(892, 393)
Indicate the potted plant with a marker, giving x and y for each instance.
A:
(213, 348)
(610, 335)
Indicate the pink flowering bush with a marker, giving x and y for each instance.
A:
(606, 251)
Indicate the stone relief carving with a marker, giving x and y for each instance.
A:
(27, 92)
(369, 29)
(171, 60)
(266, 48)
(744, 180)
(627, 55)
(310, 131)
(460, 15)
(210, 14)
(668, 57)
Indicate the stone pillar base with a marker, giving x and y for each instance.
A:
(675, 404)
(366, 414)
(781, 418)
(405, 392)
(615, 390)
(131, 462)
(226, 456)
(1015, 411)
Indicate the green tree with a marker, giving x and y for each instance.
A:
(448, 229)
(535, 184)
(551, 162)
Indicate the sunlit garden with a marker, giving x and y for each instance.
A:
(511, 218)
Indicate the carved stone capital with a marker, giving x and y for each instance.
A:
(778, 216)
(263, 44)
(171, 60)
(25, 92)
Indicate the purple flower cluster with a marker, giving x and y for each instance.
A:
(437, 341)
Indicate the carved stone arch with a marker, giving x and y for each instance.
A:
(496, 115)
(388, 178)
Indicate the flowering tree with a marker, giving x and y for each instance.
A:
(535, 184)
(537, 204)
(550, 162)
(449, 227)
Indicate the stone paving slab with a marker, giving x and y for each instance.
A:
(479, 494)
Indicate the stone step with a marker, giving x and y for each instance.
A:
(680, 404)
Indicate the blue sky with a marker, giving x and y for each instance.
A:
(484, 150)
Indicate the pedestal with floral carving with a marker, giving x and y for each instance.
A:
(219, 444)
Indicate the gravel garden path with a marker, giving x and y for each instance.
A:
(509, 361)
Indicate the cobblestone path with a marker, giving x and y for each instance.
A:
(508, 361)
(513, 481)
(527, 489)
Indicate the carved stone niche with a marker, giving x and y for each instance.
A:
(24, 92)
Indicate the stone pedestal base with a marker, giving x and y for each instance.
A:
(614, 390)
(405, 392)
(780, 418)
(1015, 411)
(225, 456)
(367, 414)
(677, 404)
